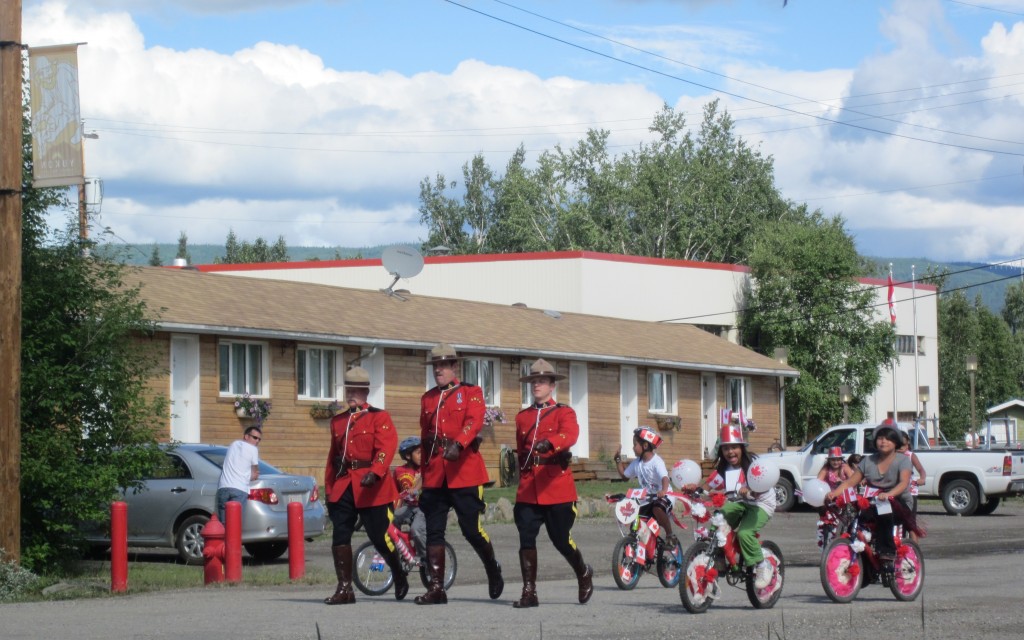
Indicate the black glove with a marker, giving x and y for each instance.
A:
(543, 447)
(369, 479)
(452, 451)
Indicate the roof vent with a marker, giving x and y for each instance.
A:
(554, 314)
(180, 262)
(519, 305)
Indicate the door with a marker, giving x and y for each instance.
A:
(578, 401)
(185, 388)
(628, 415)
(709, 413)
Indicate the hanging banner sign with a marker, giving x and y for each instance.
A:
(56, 116)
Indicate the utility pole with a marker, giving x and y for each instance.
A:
(10, 278)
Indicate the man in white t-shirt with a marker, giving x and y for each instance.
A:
(241, 466)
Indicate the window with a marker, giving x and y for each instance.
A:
(738, 396)
(316, 372)
(905, 345)
(243, 368)
(483, 372)
(661, 392)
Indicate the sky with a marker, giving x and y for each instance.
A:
(317, 120)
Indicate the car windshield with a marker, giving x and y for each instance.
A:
(216, 456)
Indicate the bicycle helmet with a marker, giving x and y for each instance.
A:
(646, 434)
(406, 446)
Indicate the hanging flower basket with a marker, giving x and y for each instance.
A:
(248, 407)
(324, 411)
(668, 423)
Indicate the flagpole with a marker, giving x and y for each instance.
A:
(896, 358)
(917, 364)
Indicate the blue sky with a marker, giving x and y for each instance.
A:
(317, 120)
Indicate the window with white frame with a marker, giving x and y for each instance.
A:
(485, 373)
(661, 392)
(526, 392)
(316, 372)
(739, 396)
(243, 368)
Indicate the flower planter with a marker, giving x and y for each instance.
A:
(242, 413)
(324, 414)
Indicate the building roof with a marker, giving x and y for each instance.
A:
(1009, 404)
(191, 301)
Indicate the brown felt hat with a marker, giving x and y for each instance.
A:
(542, 369)
(357, 377)
(443, 353)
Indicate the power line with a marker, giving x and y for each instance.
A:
(978, 6)
(729, 93)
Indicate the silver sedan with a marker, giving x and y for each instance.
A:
(173, 506)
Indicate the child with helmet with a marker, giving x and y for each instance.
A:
(650, 471)
(407, 507)
(752, 510)
(835, 470)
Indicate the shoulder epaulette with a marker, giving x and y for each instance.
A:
(373, 409)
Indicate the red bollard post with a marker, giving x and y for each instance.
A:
(233, 541)
(119, 547)
(213, 550)
(296, 542)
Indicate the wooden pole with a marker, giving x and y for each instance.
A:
(10, 278)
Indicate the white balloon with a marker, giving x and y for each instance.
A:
(814, 492)
(762, 476)
(686, 472)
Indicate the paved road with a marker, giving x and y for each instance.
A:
(974, 589)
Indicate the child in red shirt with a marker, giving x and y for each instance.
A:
(407, 509)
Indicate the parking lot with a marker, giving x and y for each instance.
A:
(974, 587)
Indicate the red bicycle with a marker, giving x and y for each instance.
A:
(641, 547)
(372, 574)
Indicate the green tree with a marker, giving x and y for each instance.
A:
(183, 248)
(805, 296)
(86, 421)
(154, 257)
(252, 252)
(1013, 307)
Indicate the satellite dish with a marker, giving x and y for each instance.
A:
(401, 262)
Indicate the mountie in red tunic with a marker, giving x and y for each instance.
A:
(546, 478)
(363, 439)
(452, 413)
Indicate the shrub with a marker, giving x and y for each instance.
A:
(15, 581)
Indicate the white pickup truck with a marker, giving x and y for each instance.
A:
(968, 481)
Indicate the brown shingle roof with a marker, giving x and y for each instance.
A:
(214, 303)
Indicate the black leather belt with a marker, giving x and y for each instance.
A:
(345, 465)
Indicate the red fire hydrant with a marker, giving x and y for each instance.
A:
(213, 550)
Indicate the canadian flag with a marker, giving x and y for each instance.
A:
(892, 304)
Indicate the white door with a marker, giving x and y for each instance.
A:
(578, 401)
(185, 388)
(709, 413)
(628, 414)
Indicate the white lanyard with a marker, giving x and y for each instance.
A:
(437, 420)
(348, 426)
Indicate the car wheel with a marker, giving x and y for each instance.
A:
(266, 551)
(785, 497)
(960, 498)
(188, 539)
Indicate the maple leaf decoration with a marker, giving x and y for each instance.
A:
(735, 434)
(757, 471)
(627, 509)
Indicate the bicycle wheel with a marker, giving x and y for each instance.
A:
(767, 597)
(698, 584)
(841, 571)
(625, 568)
(670, 562)
(370, 572)
(451, 568)
(909, 577)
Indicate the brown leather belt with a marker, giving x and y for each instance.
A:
(345, 465)
(536, 460)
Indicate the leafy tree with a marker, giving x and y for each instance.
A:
(805, 296)
(154, 258)
(257, 251)
(86, 419)
(183, 248)
(1013, 307)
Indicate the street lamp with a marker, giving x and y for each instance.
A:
(972, 368)
(924, 394)
(846, 397)
(782, 356)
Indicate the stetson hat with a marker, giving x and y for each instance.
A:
(443, 352)
(542, 369)
(357, 377)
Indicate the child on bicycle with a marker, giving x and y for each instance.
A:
(752, 510)
(835, 470)
(650, 471)
(407, 509)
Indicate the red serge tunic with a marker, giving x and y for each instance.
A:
(455, 412)
(363, 435)
(546, 483)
